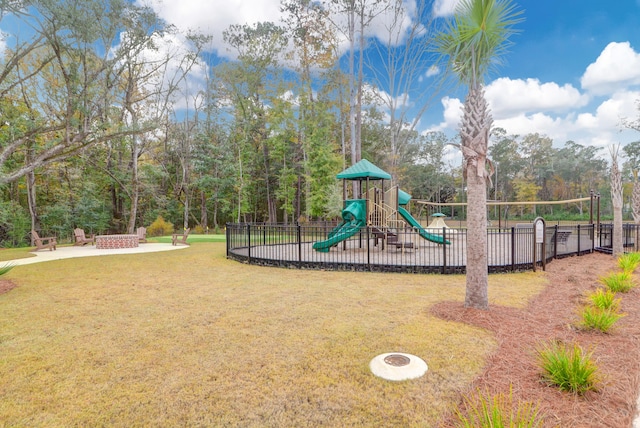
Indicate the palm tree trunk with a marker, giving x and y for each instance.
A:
(477, 272)
(474, 134)
(616, 196)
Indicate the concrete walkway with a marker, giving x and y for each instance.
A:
(89, 251)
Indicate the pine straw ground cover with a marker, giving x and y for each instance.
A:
(552, 316)
(190, 338)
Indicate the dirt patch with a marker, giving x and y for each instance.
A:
(6, 285)
(551, 316)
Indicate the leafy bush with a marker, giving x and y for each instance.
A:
(198, 230)
(629, 262)
(481, 410)
(604, 299)
(594, 318)
(57, 220)
(160, 227)
(569, 368)
(15, 224)
(620, 282)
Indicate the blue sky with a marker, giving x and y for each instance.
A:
(572, 74)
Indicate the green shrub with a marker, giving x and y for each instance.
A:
(620, 282)
(481, 410)
(604, 299)
(569, 368)
(629, 262)
(594, 318)
(160, 227)
(15, 224)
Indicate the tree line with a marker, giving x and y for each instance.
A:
(111, 118)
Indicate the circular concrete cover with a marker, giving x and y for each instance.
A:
(398, 366)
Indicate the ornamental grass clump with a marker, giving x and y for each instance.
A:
(604, 299)
(620, 282)
(483, 410)
(568, 367)
(629, 262)
(594, 318)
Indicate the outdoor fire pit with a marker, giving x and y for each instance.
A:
(114, 242)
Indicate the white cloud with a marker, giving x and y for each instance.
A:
(433, 70)
(212, 17)
(617, 67)
(599, 128)
(508, 97)
(168, 59)
(452, 115)
(444, 7)
(610, 114)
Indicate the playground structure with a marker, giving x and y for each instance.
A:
(383, 211)
(374, 217)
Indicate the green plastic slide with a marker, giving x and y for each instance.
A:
(353, 220)
(426, 235)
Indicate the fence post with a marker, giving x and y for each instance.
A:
(249, 241)
(578, 239)
(368, 250)
(227, 238)
(444, 250)
(299, 236)
(513, 249)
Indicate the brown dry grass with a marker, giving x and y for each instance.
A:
(190, 338)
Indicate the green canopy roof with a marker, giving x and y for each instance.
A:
(364, 169)
(403, 197)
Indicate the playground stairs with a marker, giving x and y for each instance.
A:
(390, 238)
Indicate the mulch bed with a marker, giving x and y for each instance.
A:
(551, 317)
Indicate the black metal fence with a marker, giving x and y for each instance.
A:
(630, 237)
(508, 249)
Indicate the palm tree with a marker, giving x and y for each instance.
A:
(474, 41)
(616, 199)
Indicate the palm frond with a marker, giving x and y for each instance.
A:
(477, 37)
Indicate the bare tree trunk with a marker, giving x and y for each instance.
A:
(635, 198)
(135, 185)
(31, 200)
(204, 220)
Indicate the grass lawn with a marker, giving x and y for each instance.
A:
(185, 338)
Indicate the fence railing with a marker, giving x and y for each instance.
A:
(508, 249)
(630, 237)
